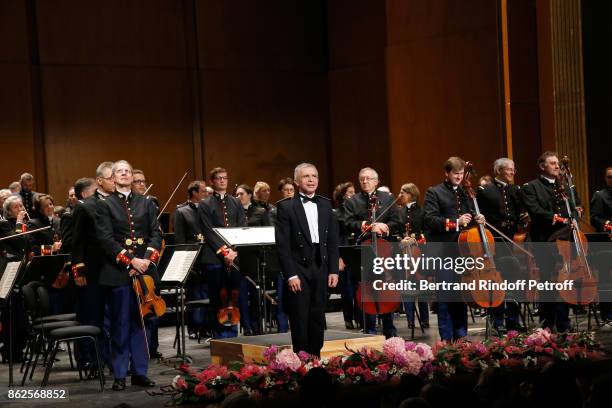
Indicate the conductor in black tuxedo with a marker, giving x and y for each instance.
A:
(307, 246)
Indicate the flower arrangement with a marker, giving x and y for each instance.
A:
(283, 369)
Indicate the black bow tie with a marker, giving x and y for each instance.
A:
(306, 199)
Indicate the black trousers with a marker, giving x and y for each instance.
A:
(307, 311)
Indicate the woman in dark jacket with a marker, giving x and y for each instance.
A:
(348, 283)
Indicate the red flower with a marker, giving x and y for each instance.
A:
(200, 389)
(181, 384)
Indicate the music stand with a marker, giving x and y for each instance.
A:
(261, 238)
(10, 270)
(174, 267)
(44, 269)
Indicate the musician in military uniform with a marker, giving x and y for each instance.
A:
(218, 211)
(27, 193)
(347, 280)
(447, 211)
(105, 180)
(256, 215)
(499, 202)
(187, 230)
(358, 220)
(129, 235)
(543, 200)
(601, 220)
(85, 259)
(411, 218)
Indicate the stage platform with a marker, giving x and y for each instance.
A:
(251, 348)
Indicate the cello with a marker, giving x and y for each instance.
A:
(478, 241)
(575, 263)
(366, 296)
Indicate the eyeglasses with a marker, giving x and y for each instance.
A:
(287, 189)
(220, 177)
(368, 178)
(139, 181)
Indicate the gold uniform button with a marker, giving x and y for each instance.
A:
(140, 241)
(128, 242)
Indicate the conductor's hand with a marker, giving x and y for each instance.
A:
(229, 258)
(140, 265)
(332, 280)
(294, 285)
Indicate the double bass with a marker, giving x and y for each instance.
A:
(478, 241)
(575, 263)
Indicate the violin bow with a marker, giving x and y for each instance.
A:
(24, 233)
(147, 190)
(172, 195)
(378, 217)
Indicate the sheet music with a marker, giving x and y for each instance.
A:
(247, 235)
(8, 279)
(179, 266)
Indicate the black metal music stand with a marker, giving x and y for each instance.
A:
(174, 273)
(10, 271)
(262, 240)
(44, 269)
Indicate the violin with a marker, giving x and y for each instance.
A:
(149, 301)
(366, 295)
(575, 263)
(480, 243)
(229, 313)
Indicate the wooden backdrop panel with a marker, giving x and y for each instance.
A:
(272, 35)
(523, 64)
(442, 87)
(13, 31)
(115, 32)
(93, 114)
(260, 125)
(358, 122)
(16, 132)
(356, 32)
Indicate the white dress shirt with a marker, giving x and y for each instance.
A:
(312, 215)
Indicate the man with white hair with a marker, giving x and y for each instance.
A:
(130, 239)
(499, 202)
(360, 211)
(307, 243)
(4, 194)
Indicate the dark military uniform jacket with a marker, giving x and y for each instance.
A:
(357, 213)
(214, 212)
(601, 208)
(501, 206)
(187, 229)
(28, 198)
(346, 237)
(86, 251)
(444, 203)
(542, 200)
(126, 228)
(257, 216)
(15, 246)
(293, 241)
(412, 219)
(46, 237)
